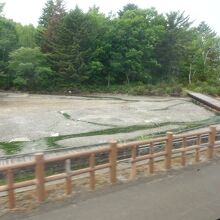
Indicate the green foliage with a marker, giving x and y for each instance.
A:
(47, 13)
(211, 88)
(20, 82)
(139, 52)
(11, 148)
(29, 68)
(49, 22)
(8, 42)
(26, 35)
(1, 7)
(205, 62)
(72, 51)
(173, 49)
(134, 37)
(160, 89)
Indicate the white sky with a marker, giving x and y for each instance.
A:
(28, 11)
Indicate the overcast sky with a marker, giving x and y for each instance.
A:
(28, 11)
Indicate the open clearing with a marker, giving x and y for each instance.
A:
(37, 122)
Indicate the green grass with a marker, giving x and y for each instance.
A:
(12, 147)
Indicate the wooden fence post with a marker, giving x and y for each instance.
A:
(92, 172)
(11, 195)
(151, 160)
(212, 134)
(183, 153)
(168, 150)
(68, 178)
(113, 161)
(198, 143)
(40, 174)
(133, 163)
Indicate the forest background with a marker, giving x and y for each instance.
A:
(138, 51)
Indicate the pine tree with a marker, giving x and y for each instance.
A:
(49, 22)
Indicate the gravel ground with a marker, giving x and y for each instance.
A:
(30, 117)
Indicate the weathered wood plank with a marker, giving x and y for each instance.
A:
(205, 99)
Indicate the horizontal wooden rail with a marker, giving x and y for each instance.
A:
(19, 185)
(76, 173)
(162, 148)
(77, 155)
(179, 136)
(17, 166)
(185, 149)
(139, 143)
(148, 156)
(217, 143)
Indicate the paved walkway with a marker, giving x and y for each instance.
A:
(188, 194)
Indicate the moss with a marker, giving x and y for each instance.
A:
(12, 147)
(15, 147)
(67, 116)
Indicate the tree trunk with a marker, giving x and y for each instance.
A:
(190, 74)
(108, 79)
(127, 79)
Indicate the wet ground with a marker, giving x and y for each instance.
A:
(36, 122)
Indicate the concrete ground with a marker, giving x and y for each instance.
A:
(26, 117)
(188, 194)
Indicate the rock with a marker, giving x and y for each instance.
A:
(21, 139)
(54, 134)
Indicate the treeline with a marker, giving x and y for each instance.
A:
(73, 49)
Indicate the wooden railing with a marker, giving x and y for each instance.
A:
(170, 146)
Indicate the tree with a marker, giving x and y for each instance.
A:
(134, 38)
(137, 45)
(173, 49)
(99, 53)
(204, 55)
(26, 35)
(207, 61)
(29, 69)
(49, 22)
(128, 7)
(8, 42)
(47, 14)
(1, 7)
(72, 57)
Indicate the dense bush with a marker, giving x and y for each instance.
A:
(29, 68)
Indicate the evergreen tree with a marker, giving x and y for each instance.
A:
(173, 49)
(73, 40)
(47, 14)
(1, 7)
(49, 22)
